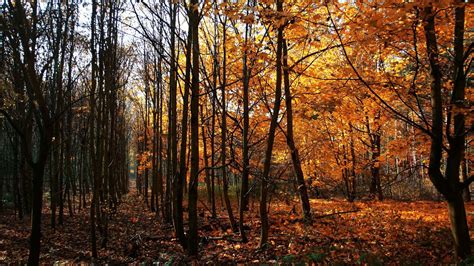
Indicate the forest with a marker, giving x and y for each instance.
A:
(236, 131)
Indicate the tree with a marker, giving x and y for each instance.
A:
(21, 24)
(295, 157)
(448, 184)
(271, 134)
(244, 188)
(193, 236)
(225, 184)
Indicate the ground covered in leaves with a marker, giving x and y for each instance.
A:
(341, 232)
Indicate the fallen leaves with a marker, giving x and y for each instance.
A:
(378, 232)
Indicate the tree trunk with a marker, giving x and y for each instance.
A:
(160, 133)
(353, 166)
(375, 188)
(459, 228)
(225, 183)
(244, 187)
(271, 137)
(38, 175)
(448, 185)
(206, 161)
(295, 157)
(93, 220)
(92, 105)
(212, 94)
(193, 235)
(181, 176)
(374, 138)
(145, 141)
(172, 112)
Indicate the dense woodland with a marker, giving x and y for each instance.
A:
(236, 131)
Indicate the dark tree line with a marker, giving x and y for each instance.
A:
(67, 126)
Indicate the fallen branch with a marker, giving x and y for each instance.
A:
(335, 213)
(228, 238)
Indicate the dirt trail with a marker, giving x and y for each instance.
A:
(70, 242)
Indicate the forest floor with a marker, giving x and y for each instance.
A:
(385, 232)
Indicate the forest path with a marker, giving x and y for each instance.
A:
(135, 234)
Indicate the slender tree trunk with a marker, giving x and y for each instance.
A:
(160, 142)
(244, 187)
(16, 176)
(92, 104)
(69, 118)
(375, 167)
(375, 148)
(38, 177)
(52, 188)
(17, 184)
(172, 125)
(145, 141)
(212, 129)
(206, 158)
(155, 196)
(271, 136)
(35, 237)
(295, 157)
(193, 235)
(181, 176)
(353, 164)
(225, 183)
(154, 173)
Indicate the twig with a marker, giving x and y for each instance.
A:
(228, 238)
(335, 213)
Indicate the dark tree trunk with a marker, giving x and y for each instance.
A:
(459, 227)
(181, 176)
(212, 95)
(295, 157)
(145, 132)
(38, 177)
(206, 159)
(193, 235)
(92, 105)
(225, 183)
(35, 237)
(353, 176)
(448, 185)
(271, 136)
(160, 129)
(244, 187)
(375, 137)
(172, 112)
